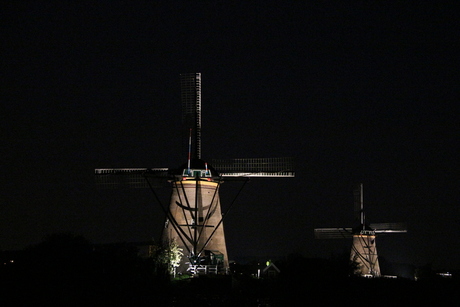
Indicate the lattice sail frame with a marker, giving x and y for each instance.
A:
(255, 167)
(191, 111)
(130, 177)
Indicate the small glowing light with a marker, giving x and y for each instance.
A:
(445, 275)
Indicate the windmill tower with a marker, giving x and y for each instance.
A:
(194, 219)
(363, 254)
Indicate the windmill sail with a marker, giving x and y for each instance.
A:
(190, 85)
(333, 233)
(255, 167)
(130, 177)
(389, 227)
(358, 204)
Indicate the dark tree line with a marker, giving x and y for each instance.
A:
(67, 270)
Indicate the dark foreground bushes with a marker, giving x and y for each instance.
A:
(66, 270)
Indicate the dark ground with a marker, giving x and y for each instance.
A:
(68, 271)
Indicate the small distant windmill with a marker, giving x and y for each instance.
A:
(194, 220)
(363, 251)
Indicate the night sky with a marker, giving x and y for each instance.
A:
(355, 91)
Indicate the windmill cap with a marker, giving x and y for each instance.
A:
(197, 164)
(358, 228)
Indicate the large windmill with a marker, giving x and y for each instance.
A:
(194, 220)
(363, 254)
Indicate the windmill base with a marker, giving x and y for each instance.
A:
(364, 257)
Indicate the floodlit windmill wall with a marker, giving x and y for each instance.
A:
(364, 255)
(195, 206)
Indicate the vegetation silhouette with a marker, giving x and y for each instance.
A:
(65, 269)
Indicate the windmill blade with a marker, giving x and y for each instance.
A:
(130, 177)
(389, 227)
(255, 167)
(190, 85)
(333, 233)
(358, 203)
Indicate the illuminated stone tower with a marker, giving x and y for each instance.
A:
(195, 221)
(364, 254)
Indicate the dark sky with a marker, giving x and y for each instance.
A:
(355, 91)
